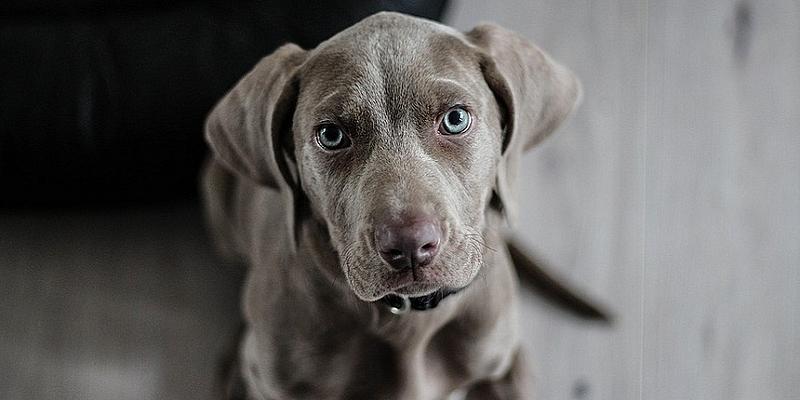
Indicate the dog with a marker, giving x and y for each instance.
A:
(366, 183)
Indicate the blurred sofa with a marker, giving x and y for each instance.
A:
(102, 101)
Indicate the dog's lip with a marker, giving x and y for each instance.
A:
(402, 279)
(423, 289)
(405, 284)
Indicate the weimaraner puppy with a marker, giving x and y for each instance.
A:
(365, 182)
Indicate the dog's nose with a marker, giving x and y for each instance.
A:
(410, 244)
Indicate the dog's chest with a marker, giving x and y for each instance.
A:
(355, 365)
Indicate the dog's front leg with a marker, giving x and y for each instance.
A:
(514, 385)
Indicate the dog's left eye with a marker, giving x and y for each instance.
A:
(331, 137)
(455, 121)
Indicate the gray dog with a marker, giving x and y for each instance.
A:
(365, 183)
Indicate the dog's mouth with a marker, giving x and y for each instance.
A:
(399, 304)
(372, 280)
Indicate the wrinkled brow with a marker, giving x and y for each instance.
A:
(450, 92)
(363, 105)
(343, 105)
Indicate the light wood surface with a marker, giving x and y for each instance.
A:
(673, 194)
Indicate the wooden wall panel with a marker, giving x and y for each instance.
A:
(673, 194)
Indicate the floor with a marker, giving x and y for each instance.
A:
(672, 196)
(116, 304)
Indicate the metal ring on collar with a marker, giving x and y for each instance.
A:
(401, 308)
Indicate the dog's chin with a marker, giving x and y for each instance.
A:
(424, 282)
(416, 289)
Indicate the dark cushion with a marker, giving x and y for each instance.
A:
(105, 100)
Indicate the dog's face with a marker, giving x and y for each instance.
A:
(396, 154)
(397, 133)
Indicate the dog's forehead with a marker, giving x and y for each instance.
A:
(385, 34)
(388, 57)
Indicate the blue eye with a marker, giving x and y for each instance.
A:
(331, 137)
(455, 121)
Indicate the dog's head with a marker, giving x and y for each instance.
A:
(397, 134)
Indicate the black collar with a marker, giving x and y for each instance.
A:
(401, 305)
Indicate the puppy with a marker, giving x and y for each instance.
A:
(365, 182)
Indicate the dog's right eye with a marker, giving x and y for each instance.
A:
(331, 137)
(457, 120)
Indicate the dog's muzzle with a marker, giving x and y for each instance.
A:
(403, 304)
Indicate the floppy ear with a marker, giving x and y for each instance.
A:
(250, 129)
(535, 95)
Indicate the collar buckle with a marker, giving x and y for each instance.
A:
(399, 304)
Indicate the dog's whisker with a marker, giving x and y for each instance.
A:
(479, 240)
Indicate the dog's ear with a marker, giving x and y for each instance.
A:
(250, 129)
(535, 95)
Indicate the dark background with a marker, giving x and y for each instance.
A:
(102, 102)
